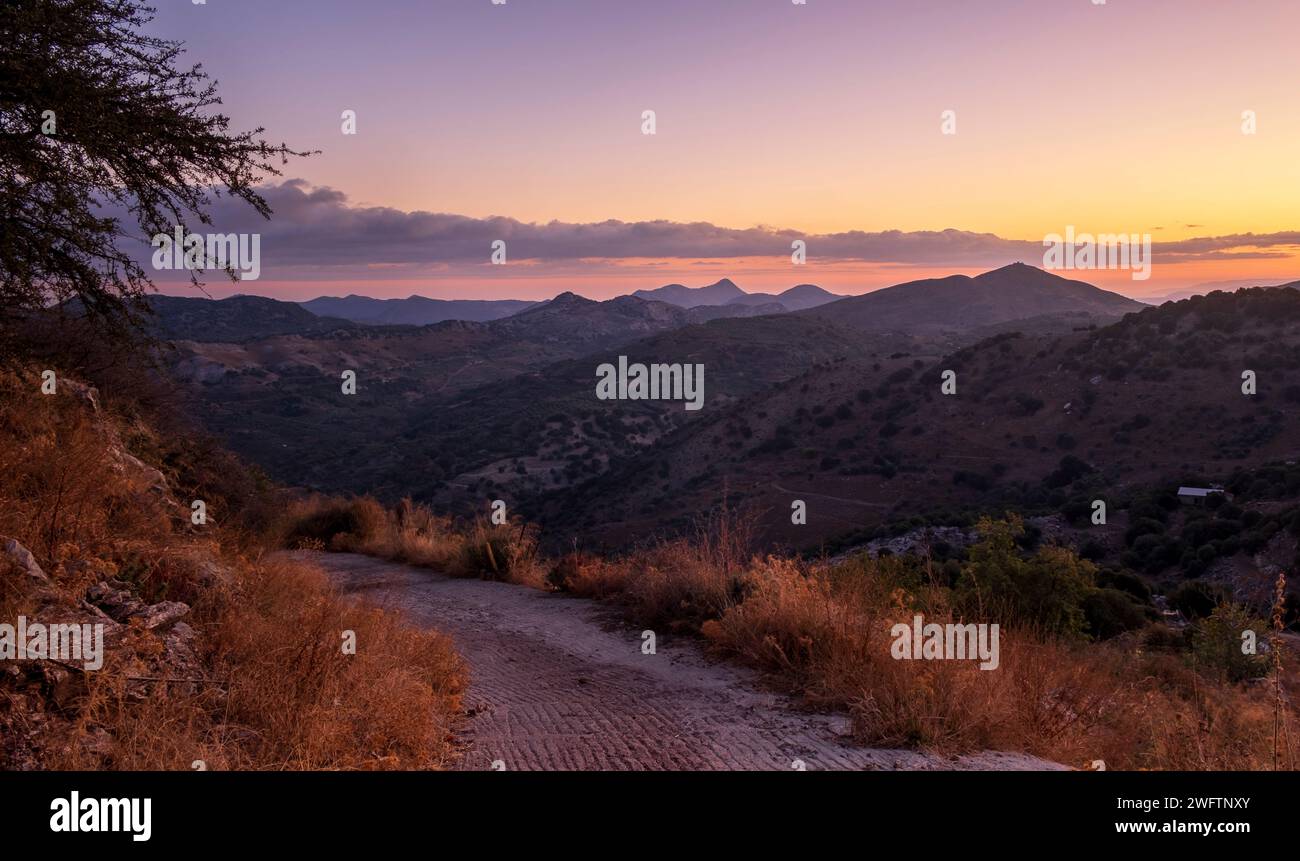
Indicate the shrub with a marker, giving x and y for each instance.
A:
(1110, 612)
(1044, 592)
(264, 685)
(1194, 599)
(1068, 471)
(1218, 641)
(506, 551)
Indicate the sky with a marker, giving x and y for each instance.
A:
(825, 121)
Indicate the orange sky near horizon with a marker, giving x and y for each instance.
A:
(854, 279)
(1121, 117)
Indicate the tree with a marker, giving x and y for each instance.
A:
(93, 114)
(1044, 591)
(1219, 644)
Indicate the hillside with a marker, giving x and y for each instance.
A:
(798, 298)
(960, 303)
(238, 318)
(449, 415)
(718, 293)
(1036, 422)
(412, 362)
(413, 310)
(98, 530)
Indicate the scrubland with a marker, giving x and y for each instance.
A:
(219, 653)
(253, 674)
(1154, 697)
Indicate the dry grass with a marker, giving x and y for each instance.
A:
(413, 535)
(827, 637)
(823, 633)
(283, 695)
(271, 687)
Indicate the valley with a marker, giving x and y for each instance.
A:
(840, 407)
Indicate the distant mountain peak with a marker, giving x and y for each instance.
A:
(568, 297)
(1021, 272)
(1014, 292)
(725, 292)
(808, 290)
(718, 293)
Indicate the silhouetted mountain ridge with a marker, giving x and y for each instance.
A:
(960, 302)
(237, 318)
(413, 310)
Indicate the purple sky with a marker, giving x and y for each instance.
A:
(816, 120)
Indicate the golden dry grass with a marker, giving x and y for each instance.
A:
(412, 535)
(823, 634)
(273, 688)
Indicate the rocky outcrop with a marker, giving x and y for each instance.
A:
(139, 474)
(146, 644)
(112, 640)
(120, 605)
(23, 560)
(136, 473)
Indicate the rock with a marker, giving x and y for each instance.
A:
(100, 615)
(122, 606)
(139, 473)
(64, 687)
(88, 395)
(205, 571)
(181, 659)
(118, 603)
(23, 560)
(148, 480)
(162, 614)
(135, 471)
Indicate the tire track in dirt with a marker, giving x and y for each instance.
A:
(559, 683)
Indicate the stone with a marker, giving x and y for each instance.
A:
(23, 560)
(162, 614)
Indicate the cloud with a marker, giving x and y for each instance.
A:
(316, 232)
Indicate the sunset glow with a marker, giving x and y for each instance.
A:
(822, 118)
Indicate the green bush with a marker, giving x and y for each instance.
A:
(1110, 612)
(1044, 591)
(1219, 641)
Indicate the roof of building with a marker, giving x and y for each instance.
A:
(1198, 491)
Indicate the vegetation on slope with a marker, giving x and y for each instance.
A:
(216, 652)
(1080, 677)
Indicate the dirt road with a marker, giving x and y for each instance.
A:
(561, 683)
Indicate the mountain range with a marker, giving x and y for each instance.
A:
(451, 411)
(1034, 422)
(724, 296)
(725, 292)
(413, 310)
(955, 303)
(959, 302)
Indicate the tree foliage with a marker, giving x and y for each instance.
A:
(96, 117)
(1045, 591)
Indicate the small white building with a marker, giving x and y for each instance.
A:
(1198, 495)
